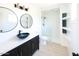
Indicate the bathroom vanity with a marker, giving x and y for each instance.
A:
(26, 49)
(13, 20)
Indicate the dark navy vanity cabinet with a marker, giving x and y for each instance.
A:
(26, 49)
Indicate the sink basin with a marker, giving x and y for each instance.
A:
(22, 35)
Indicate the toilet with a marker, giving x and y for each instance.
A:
(43, 40)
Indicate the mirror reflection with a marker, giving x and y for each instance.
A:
(8, 20)
(26, 21)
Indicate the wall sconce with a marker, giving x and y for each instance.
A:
(21, 7)
(16, 5)
(26, 9)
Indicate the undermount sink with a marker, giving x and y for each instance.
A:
(22, 35)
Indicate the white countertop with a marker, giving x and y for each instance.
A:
(13, 43)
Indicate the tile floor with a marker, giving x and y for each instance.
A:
(51, 49)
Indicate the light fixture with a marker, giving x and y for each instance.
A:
(20, 7)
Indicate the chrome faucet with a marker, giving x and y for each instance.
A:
(19, 31)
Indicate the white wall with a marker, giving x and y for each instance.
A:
(52, 25)
(34, 11)
(75, 28)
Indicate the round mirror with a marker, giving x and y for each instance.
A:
(8, 19)
(26, 21)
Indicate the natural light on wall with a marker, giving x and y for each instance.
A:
(73, 11)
